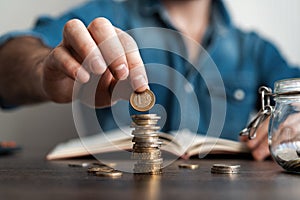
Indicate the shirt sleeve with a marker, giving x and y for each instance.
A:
(49, 29)
(273, 65)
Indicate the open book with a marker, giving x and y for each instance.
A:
(181, 143)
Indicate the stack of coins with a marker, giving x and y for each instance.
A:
(289, 159)
(146, 148)
(225, 169)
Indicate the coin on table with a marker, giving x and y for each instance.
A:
(188, 166)
(100, 169)
(112, 174)
(79, 164)
(142, 101)
(225, 169)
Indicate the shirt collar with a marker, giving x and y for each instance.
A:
(220, 18)
(150, 7)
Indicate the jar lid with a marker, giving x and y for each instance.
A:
(287, 87)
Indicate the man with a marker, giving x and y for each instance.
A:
(44, 63)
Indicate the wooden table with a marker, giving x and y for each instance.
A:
(29, 176)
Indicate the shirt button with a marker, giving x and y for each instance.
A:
(239, 94)
(188, 88)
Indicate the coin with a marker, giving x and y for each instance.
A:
(216, 171)
(146, 139)
(145, 116)
(225, 169)
(144, 122)
(286, 155)
(147, 156)
(112, 174)
(188, 166)
(100, 169)
(79, 164)
(143, 101)
(226, 166)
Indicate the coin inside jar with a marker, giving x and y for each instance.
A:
(142, 101)
(298, 152)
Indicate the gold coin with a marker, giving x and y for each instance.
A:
(143, 101)
(113, 174)
(188, 166)
(100, 169)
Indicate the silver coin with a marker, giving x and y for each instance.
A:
(145, 117)
(145, 127)
(226, 166)
(225, 169)
(292, 166)
(286, 155)
(145, 133)
(141, 122)
(143, 156)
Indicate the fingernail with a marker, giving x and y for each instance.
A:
(82, 76)
(98, 66)
(122, 72)
(139, 82)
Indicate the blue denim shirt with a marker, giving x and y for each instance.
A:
(245, 61)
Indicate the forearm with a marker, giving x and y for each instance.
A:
(21, 71)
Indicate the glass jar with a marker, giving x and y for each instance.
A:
(284, 125)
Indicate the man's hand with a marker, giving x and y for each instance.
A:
(259, 146)
(99, 49)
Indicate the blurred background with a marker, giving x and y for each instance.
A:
(45, 125)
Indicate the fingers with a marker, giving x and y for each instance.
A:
(110, 46)
(120, 52)
(262, 150)
(78, 39)
(259, 146)
(60, 59)
(116, 49)
(262, 131)
(138, 76)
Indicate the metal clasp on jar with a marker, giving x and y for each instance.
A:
(262, 115)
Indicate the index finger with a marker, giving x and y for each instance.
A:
(137, 72)
(79, 39)
(262, 132)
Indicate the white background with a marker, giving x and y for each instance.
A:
(277, 20)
